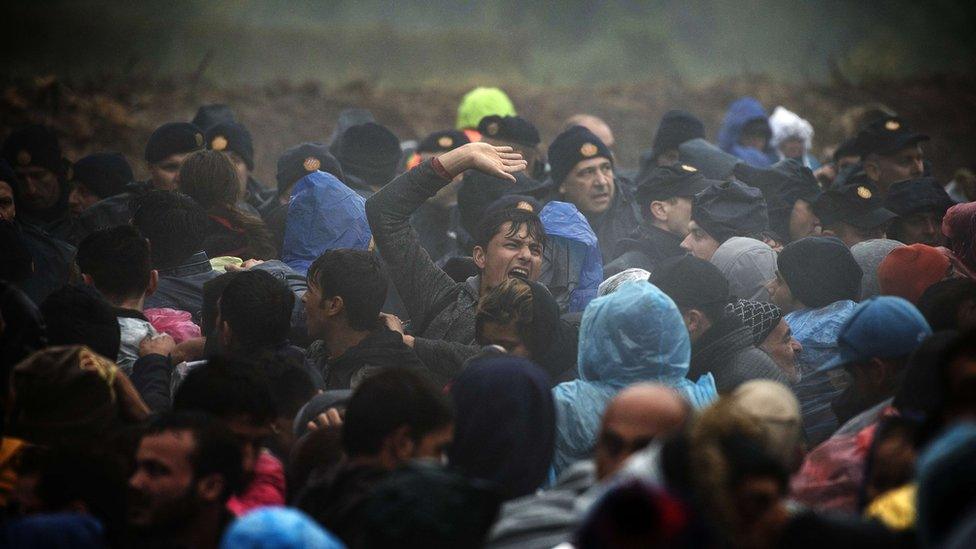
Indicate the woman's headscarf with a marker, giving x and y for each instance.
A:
(504, 427)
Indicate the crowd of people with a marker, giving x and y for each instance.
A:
(473, 339)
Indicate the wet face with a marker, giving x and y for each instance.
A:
(699, 243)
(885, 170)
(165, 173)
(589, 185)
(792, 148)
(668, 158)
(782, 347)
(803, 222)
(672, 215)
(161, 489)
(41, 188)
(8, 210)
(434, 445)
(780, 294)
(81, 198)
(918, 228)
(509, 254)
(505, 336)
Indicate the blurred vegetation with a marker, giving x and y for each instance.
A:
(433, 42)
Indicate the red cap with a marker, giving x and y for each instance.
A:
(908, 271)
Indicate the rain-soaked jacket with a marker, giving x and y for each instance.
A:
(323, 215)
(741, 112)
(817, 331)
(572, 267)
(633, 335)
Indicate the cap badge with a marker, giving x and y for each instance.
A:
(523, 205)
(445, 141)
(588, 149)
(199, 139)
(23, 158)
(688, 168)
(311, 164)
(219, 143)
(864, 192)
(493, 128)
(892, 125)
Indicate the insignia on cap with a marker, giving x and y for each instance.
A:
(892, 125)
(523, 205)
(493, 128)
(219, 143)
(445, 141)
(688, 168)
(311, 164)
(864, 192)
(199, 139)
(23, 158)
(588, 149)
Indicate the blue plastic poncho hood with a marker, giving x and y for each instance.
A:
(742, 111)
(633, 335)
(323, 215)
(572, 264)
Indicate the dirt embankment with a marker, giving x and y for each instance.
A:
(111, 115)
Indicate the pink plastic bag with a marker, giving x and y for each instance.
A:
(174, 322)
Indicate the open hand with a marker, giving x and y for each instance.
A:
(500, 162)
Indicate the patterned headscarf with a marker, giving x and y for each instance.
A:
(760, 317)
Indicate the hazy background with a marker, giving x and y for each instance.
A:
(418, 43)
(106, 73)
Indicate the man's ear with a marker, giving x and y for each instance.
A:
(659, 210)
(210, 488)
(334, 305)
(693, 319)
(479, 256)
(153, 282)
(879, 371)
(224, 333)
(402, 446)
(87, 279)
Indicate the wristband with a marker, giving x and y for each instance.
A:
(440, 170)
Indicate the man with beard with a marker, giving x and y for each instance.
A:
(187, 467)
(35, 155)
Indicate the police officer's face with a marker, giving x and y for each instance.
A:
(918, 228)
(699, 243)
(885, 170)
(668, 158)
(165, 173)
(589, 185)
(41, 188)
(8, 211)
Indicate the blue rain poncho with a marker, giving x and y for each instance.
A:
(741, 112)
(817, 331)
(572, 265)
(323, 215)
(633, 335)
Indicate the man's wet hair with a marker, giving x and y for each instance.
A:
(216, 450)
(257, 307)
(941, 302)
(227, 389)
(358, 277)
(174, 224)
(118, 261)
(388, 400)
(494, 221)
(510, 301)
